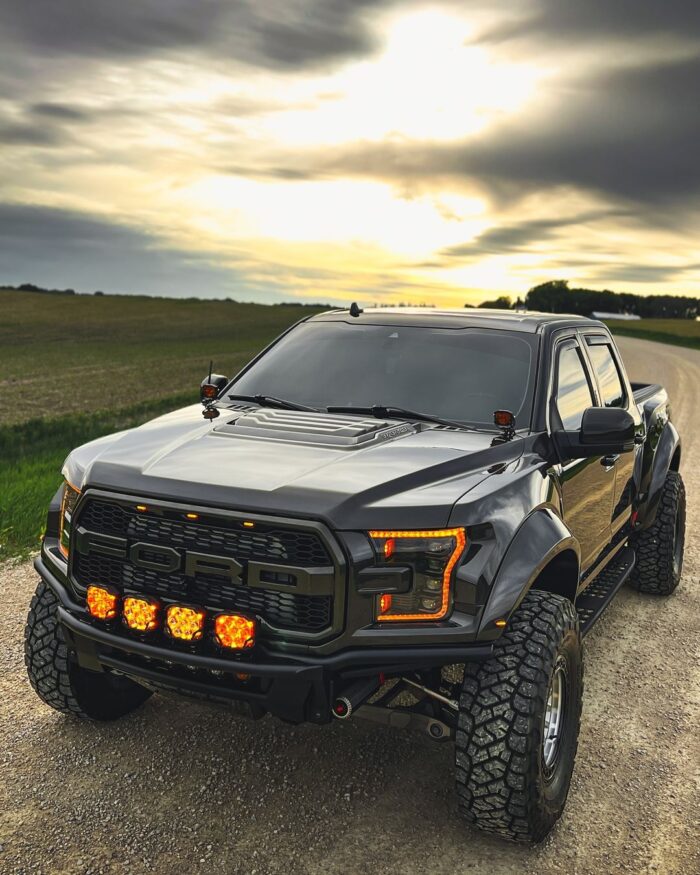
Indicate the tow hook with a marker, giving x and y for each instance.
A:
(353, 696)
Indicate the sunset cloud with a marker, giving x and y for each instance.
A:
(334, 149)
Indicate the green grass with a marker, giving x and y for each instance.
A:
(62, 354)
(73, 368)
(32, 454)
(679, 332)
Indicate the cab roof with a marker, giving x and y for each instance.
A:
(513, 320)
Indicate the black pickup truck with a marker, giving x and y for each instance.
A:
(408, 516)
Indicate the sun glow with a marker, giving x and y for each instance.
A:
(427, 84)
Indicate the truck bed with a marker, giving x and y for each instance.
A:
(644, 391)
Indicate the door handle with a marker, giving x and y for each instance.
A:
(608, 462)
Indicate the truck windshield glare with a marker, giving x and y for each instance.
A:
(459, 374)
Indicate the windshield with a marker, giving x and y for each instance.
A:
(463, 374)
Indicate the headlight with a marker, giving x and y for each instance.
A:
(68, 502)
(432, 555)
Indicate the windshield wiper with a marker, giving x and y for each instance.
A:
(382, 412)
(271, 401)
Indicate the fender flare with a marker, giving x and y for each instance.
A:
(663, 456)
(540, 538)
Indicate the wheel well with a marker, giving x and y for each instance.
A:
(560, 576)
(675, 461)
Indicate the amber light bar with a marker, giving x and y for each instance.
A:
(391, 536)
(143, 614)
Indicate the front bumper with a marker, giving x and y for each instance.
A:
(295, 687)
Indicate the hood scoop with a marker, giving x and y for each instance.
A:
(317, 429)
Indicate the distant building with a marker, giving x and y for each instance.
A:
(597, 314)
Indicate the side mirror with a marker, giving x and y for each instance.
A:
(211, 386)
(604, 431)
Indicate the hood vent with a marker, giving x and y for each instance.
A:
(319, 429)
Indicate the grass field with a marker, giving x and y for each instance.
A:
(679, 332)
(73, 368)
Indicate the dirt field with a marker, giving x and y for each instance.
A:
(179, 787)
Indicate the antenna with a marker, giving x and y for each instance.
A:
(211, 365)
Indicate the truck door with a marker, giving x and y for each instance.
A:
(612, 392)
(587, 485)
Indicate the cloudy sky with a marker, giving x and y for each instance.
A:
(337, 150)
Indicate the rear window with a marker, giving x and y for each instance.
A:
(462, 374)
(611, 388)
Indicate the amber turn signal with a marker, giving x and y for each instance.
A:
(385, 601)
(234, 631)
(140, 614)
(183, 623)
(101, 603)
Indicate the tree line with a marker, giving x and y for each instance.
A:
(556, 296)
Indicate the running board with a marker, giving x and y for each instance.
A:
(600, 592)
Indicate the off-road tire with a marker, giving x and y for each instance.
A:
(57, 678)
(503, 784)
(659, 549)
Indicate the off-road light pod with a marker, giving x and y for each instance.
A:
(102, 603)
(183, 623)
(140, 614)
(68, 502)
(234, 631)
(432, 556)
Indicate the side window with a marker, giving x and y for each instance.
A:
(611, 389)
(573, 390)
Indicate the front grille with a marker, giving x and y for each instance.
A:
(267, 543)
(218, 537)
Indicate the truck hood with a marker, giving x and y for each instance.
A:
(349, 471)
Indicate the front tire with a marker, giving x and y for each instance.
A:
(659, 549)
(518, 722)
(57, 678)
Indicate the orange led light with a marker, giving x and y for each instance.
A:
(234, 631)
(503, 418)
(389, 547)
(70, 496)
(460, 543)
(142, 508)
(209, 391)
(101, 603)
(192, 516)
(184, 623)
(248, 525)
(140, 614)
(385, 601)
(501, 624)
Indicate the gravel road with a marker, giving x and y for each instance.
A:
(180, 787)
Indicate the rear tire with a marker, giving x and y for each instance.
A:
(57, 678)
(518, 722)
(659, 549)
